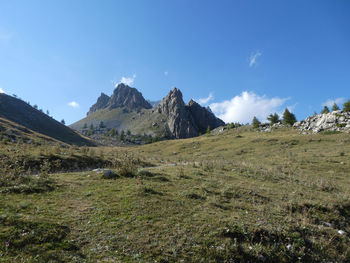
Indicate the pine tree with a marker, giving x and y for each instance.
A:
(101, 125)
(273, 118)
(288, 117)
(325, 110)
(85, 126)
(63, 122)
(208, 130)
(346, 106)
(91, 129)
(112, 132)
(256, 122)
(335, 107)
(122, 136)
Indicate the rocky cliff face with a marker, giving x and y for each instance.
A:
(333, 121)
(179, 120)
(185, 121)
(203, 117)
(130, 98)
(123, 96)
(101, 103)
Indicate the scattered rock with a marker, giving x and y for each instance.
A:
(333, 121)
(109, 174)
(326, 223)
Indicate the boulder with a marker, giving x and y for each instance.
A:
(109, 174)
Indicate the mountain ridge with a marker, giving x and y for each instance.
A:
(20, 112)
(126, 109)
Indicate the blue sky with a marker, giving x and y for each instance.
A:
(252, 57)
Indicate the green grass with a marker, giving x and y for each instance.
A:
(238, 196)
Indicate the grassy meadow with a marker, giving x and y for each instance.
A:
(237, 196)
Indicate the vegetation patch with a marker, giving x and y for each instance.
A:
(35, 240)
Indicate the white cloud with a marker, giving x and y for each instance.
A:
(1, 90)
(166, 73)
(128, 81)
(242, 108)
(206, 100)
(253, 58)
(329, 103)
(73, 104)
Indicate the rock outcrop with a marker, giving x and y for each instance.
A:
(130, 98)
(333, 121)
(101, 103)
(179, 119)
(123, 97)
(203, 117)
(185, 121)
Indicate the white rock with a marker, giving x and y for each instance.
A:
(341, 232)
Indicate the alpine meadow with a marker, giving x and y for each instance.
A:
(174, 131)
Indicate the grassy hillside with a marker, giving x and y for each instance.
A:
(16, 110)
(239, 196)
(13, 132)
(138, 122)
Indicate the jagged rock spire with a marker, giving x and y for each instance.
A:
(125, 96)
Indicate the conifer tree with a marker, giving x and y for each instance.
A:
(273, 118)
(256, 122)
(208, 130)
(288, 117)
(335, 107)
(325, 110)
(346, 106)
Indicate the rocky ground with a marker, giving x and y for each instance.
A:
(333, 121)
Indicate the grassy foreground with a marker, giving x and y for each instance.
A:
(240, 196)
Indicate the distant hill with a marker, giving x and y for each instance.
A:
(127, 109)
(19, 112)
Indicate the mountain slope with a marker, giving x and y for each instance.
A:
(126, 110)
(18, 111)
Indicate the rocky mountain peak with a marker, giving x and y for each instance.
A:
(191, 102)
(173, 103)
(203, 117)
(125, 96)
(101, 103)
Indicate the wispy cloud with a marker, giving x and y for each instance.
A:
(207, 99)
(128, 80)
(253, 59)
(242, 108)
(330, 102)
(73, 104)
(1, 90)
(166, 73)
